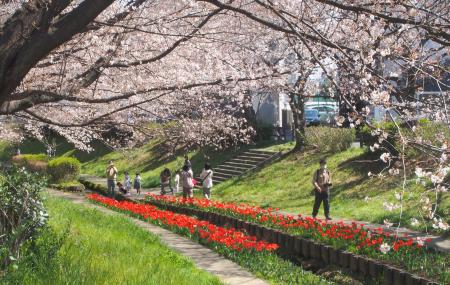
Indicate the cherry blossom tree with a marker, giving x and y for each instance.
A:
(83, 67)
(124, 64)
(386, 51)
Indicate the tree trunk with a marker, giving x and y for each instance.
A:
(298, 112)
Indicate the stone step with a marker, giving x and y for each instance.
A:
(233, 167)
(245, 161)
(228, 171)
(240, 164)
(218, 180)
(262, 151)
(222, 175)
(237, 165)
(251, 158)
(256, 154)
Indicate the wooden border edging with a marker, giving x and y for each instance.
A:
(307, 249)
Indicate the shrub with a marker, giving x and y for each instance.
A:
(64, 169)
(429, 132)
(264, 132)
(70, 186)
(35, 157)
(22, 213)
(329, 139)
(33, 162)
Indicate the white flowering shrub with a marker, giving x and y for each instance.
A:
(22, 213)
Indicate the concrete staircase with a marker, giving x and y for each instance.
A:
(241, 164)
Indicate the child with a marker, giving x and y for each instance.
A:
(137, 184)
(121, 188)
(206, 177)
(165, 180)
(127, 182)
(177, 181)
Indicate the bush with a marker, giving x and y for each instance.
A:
(429, 132)
(390, 144)
(70, 186)
(33, 162)
(264, 132)
(63, 169)
(22, 213)
(327, 139)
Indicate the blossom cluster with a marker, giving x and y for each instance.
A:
(205, 231)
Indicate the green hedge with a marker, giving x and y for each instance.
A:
(33, 162)
(71, 186)
(34, 157)
(64, 169)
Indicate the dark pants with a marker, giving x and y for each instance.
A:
(321, 196)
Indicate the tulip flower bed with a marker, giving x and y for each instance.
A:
(246, 250)
(409, 254)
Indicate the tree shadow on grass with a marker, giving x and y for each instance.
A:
(363, 163)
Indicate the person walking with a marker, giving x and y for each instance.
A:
(206, 177)
(111, 174)
(127, 183)
(165, 180)
(187, 162)
(137, 183)
(322, 184)
(186, 180)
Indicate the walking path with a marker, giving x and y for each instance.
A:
(227, 271)
(134, 196)
(440, 243)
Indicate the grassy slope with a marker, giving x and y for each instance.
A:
(102, 249)
(287, 184)
(151, 159)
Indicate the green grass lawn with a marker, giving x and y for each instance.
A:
(287, 184)
(103, 249)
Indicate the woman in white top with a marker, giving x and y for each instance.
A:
(186, 180)
(206, 177)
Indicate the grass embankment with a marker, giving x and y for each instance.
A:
(149, 160)
(103, 249)
(287, 184)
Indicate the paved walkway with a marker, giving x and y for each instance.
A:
(439, 243)
(204, 258)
